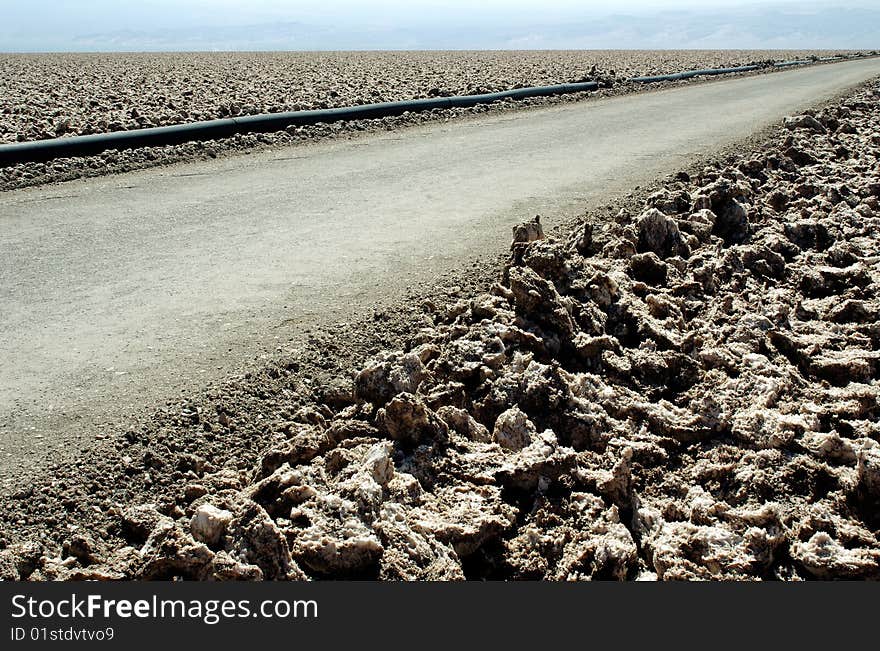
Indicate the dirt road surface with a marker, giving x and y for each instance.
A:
(118, 292)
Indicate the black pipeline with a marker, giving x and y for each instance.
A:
(788, 64)
(692, 73)
(44, 150)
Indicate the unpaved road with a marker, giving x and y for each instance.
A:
(117, 292)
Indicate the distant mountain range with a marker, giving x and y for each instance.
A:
(755, 27)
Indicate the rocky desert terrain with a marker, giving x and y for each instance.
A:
(59, 95)
(684, 389)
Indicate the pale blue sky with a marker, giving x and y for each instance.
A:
(39, 25)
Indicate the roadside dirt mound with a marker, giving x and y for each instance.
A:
(689, 392)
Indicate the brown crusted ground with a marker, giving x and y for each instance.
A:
(688, 391)
(42, 96)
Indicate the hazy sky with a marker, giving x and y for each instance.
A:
(36, 25)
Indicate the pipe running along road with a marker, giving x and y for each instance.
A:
(93, 144)
(43, 150)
